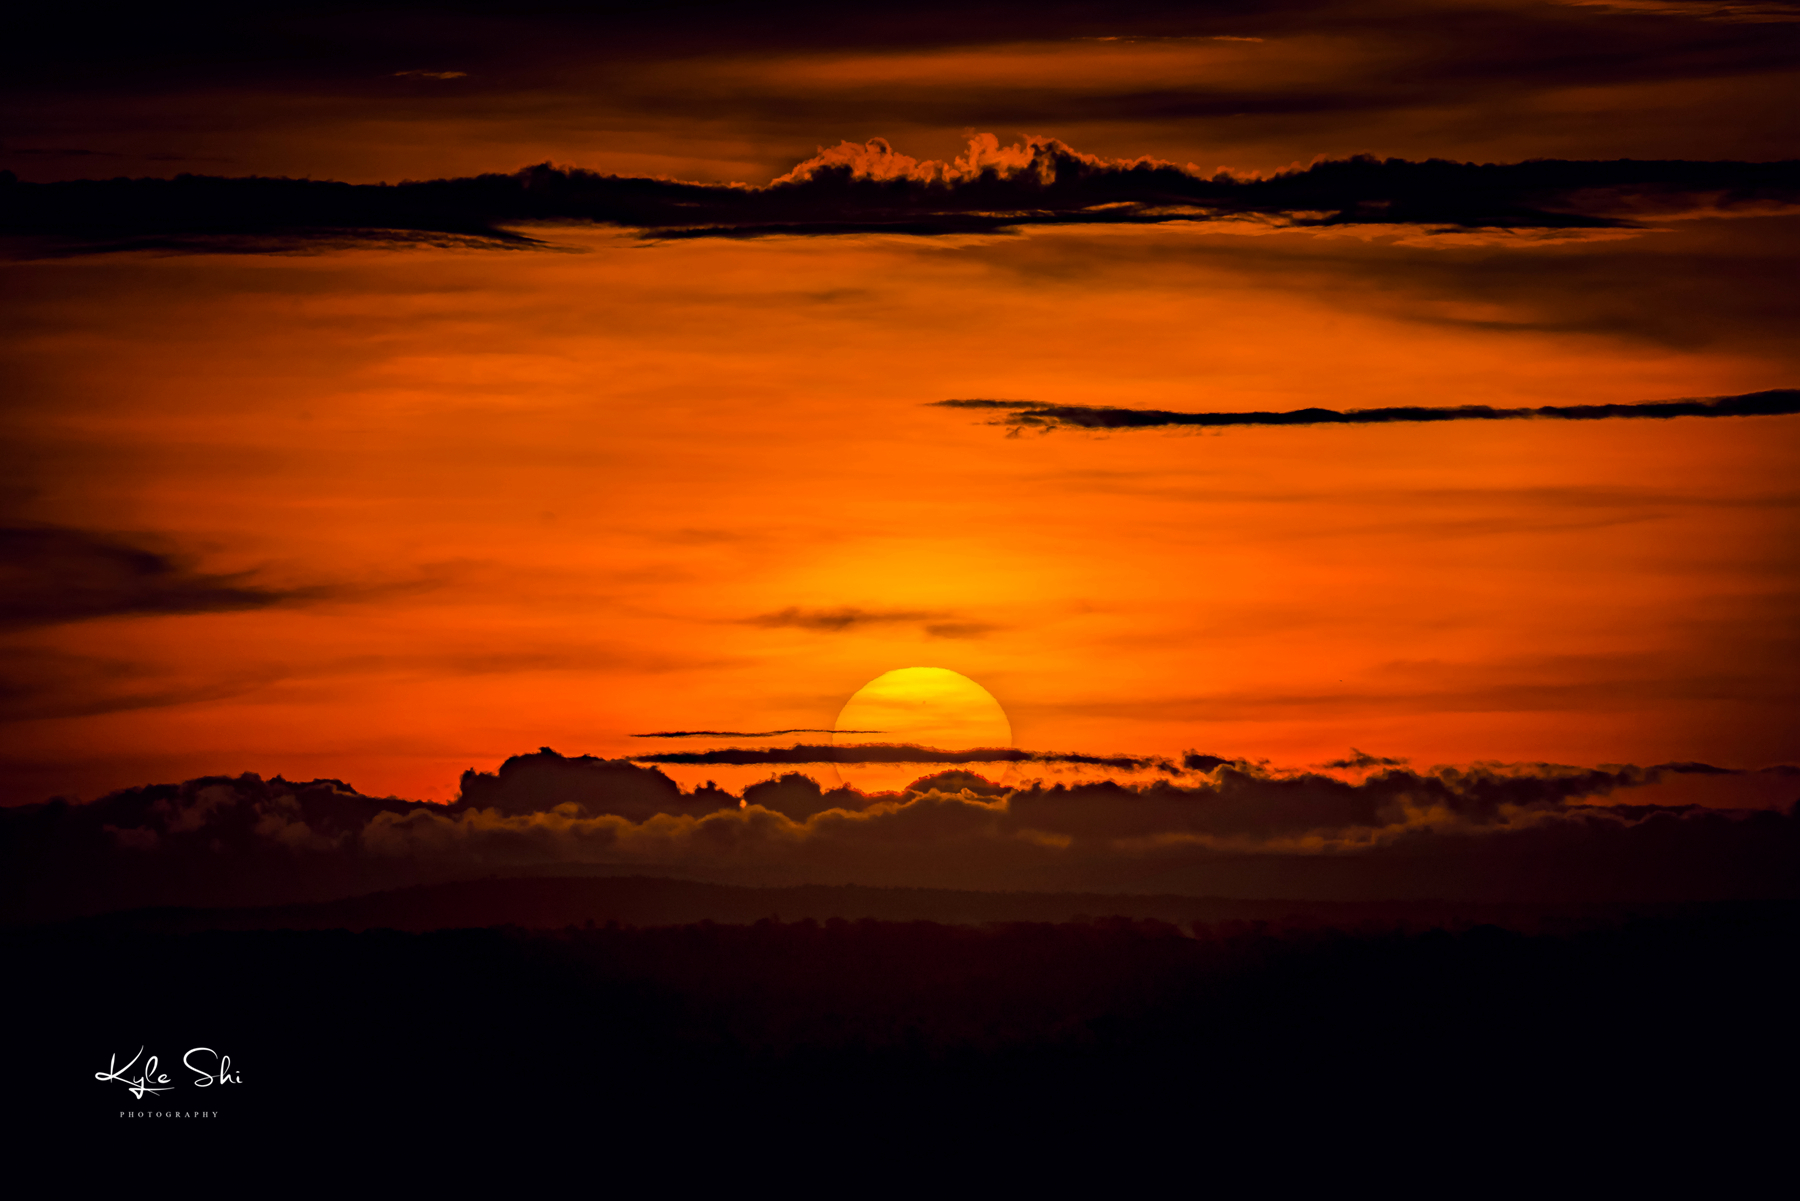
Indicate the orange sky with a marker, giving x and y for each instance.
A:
(486, 500)
(541, 498)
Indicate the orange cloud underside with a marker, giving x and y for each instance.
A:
(552, 492)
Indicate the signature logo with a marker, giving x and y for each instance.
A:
(209, 1067)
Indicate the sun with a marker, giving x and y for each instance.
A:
(925, 706)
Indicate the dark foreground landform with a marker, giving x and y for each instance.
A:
(557, 901)
(773, 1036)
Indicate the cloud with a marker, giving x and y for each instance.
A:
(38, 682)
(1688, 768)
(431, 74)
(859, 188)
(55, 574)
(799, 798)
(1522, 829)
(1358, 760)
(546, 781)
(834, 621)
(959, 629)
(1728, 11)
(1506, 80)
(897, 753)
(742, 733)
(1033, 415)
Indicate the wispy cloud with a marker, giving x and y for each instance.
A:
(959, 629)
(55, 574)
(742, 733)
(834, 621)
(935, 623)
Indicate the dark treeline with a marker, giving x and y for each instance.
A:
(897, 1030)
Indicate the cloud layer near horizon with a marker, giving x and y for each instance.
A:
(871, 188)
(1536, 832)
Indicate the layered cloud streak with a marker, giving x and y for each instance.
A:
(1034, 415)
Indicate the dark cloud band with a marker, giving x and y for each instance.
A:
(742, 733)
(896, 753)
(1028, 414)
(871, 189)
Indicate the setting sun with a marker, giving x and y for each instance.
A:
(919, 706)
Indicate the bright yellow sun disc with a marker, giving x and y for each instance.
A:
(922, 706)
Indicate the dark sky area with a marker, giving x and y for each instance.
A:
(723, 92)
